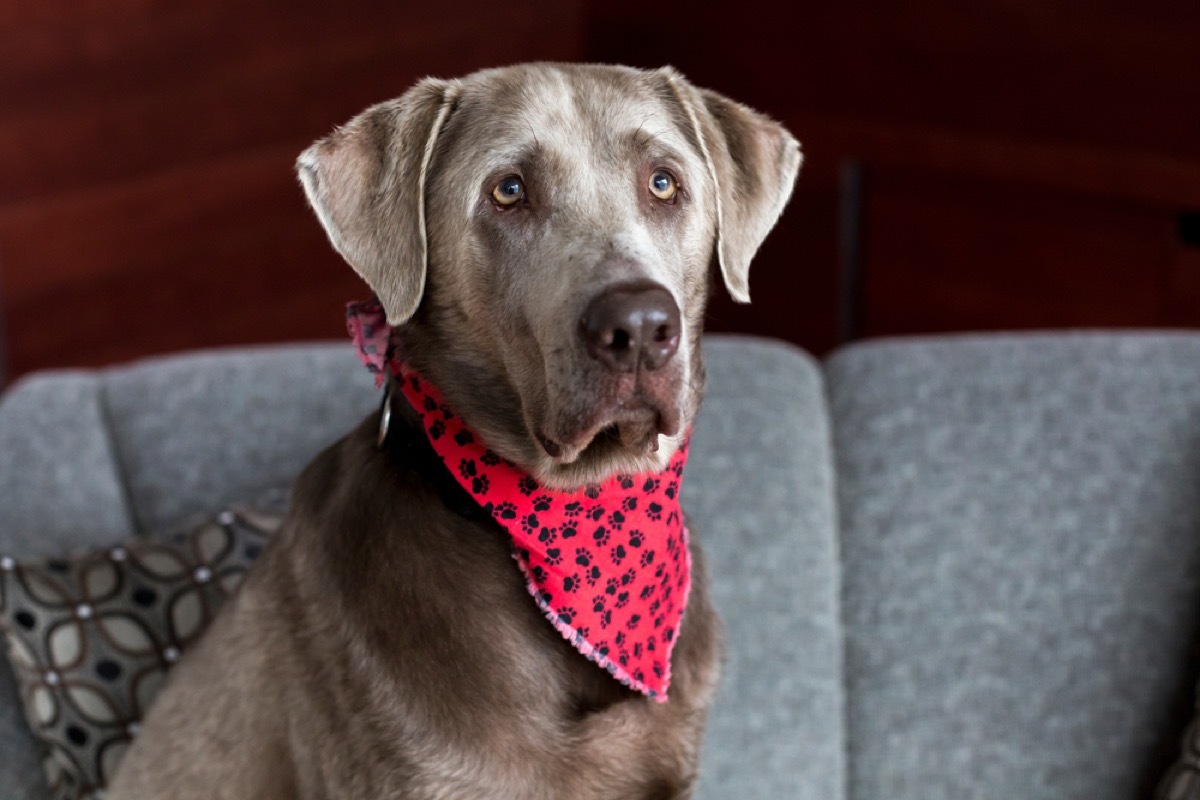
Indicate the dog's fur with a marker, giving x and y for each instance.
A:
(383, 646)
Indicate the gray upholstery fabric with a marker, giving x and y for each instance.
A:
(190, 434)
(759, 494)
(229, 425)
(1021, 546)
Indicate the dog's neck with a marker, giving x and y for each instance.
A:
(608, 564)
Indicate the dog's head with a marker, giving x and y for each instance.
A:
(542, 234)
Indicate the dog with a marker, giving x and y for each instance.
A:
(541, 238)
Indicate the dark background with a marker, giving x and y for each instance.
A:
(1002, 164)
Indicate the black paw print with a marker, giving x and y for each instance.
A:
(480, 484)
(529, 523)
(628, 577)
(414, 383)
(669, 635)
(619, 639)
(601, 535)
(570, 583)
(573, 509)
(539, 573)
(542, 503)
(489, 458)
(602, 648)
(635, 538)
(671, 489)
(651, 485)
(527, 486)
(592, 575)
(464, 438)
(673, 518)
(582, 557)
(548, 535)
(554, 558)
(655, 606)
(568, 531)
(677, 468)
(598, 603)
(507, 511)
(622, 599)
(436, 430)
(605, 621)
(654, 511)
(634, 621)
(566, 616)
(595, 513)
(591, 492)
(646, 592)
(658, 668)
(637, 650)
(625, 481)
(466, 467)
(623, 658)
(611, 586)
(629, 504)
(639, 676)
(647, 558)
(430, 405)
(617, 554)
(616, 519)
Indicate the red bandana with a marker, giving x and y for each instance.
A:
(608, 565)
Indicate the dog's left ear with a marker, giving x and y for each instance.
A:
(366, 183)
(752, 161)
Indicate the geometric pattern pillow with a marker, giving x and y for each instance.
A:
(91, 637)
(1182, 781)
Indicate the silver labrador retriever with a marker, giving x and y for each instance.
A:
(542, 237)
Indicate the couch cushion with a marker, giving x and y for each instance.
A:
(1021, 544)
(759, 494)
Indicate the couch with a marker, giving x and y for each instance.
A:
(961, 567)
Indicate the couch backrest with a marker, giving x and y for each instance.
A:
(1021, 547)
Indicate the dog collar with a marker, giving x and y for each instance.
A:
(608, 565)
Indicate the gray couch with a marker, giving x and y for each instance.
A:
(949, 568)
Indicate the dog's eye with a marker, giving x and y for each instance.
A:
(663, 186)
(509, 191)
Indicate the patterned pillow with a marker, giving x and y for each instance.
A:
(91, 637)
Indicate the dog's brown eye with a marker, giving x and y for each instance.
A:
(509, 191)
(663, 185)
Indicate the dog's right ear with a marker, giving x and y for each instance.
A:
(366, 182)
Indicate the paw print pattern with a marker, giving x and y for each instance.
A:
(608, 562)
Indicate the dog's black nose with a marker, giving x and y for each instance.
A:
(629, 328)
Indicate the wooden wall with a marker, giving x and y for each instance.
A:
(1001, 164)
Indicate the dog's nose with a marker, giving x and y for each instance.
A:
(631, 328)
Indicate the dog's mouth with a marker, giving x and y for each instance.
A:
(630, 428)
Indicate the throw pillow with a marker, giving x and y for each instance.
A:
(91, 637)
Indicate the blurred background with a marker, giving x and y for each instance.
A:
(1001, 164)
